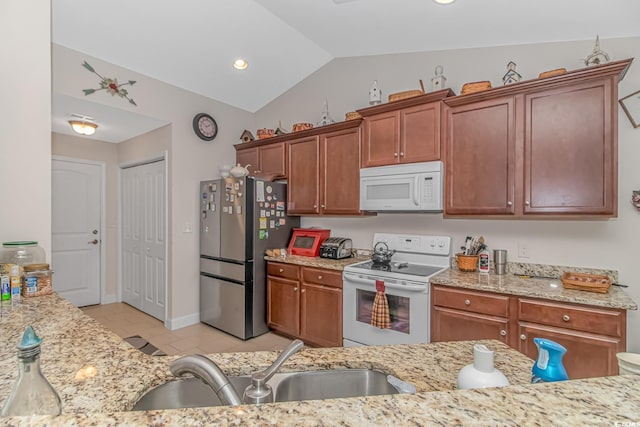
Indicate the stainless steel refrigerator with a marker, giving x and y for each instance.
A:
(239, 219)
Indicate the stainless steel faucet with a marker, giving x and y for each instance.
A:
(206, 370)
(259, 391)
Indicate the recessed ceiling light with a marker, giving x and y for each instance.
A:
(444, 1)
(240, 64)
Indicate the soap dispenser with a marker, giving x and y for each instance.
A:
(481, 373)
(31, 394)
(548, 366)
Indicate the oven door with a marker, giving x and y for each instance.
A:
(408, 309)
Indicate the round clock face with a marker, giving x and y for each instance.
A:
(205, 126)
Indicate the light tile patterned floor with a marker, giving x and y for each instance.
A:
(126, 321)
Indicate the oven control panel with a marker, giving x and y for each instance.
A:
(422, 244)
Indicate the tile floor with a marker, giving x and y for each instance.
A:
(126, 321)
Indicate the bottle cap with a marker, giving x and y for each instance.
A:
(482, 358)
(30, 344)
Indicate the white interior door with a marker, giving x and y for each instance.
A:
(76, 197)
(144, 237)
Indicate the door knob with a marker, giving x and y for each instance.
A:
(93, 242)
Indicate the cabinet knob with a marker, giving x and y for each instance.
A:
(295, 289)
(526, 203)
(566, 318)
(315, 206)
(322, 206)
(395, 154)
(503, 332)
(401, 154)
(281, 270)
(467, 302)
(302, 290)
(509, 203)
(319, 277)
(523, 337)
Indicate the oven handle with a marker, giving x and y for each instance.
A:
(371, 284)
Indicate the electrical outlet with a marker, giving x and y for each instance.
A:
(523, 250)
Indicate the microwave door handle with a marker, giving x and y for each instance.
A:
(372, 284)
(416, 191)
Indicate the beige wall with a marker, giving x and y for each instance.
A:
(25, 121)
(611, 244)
(87, 149)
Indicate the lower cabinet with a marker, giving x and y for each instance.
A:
(591, 335)
(306, 303)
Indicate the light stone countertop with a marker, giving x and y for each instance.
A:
(98, 376)
(550, 289)
(330, 264)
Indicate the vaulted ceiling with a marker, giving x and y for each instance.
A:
(192, 43)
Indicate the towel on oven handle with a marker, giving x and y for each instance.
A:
(380, 317)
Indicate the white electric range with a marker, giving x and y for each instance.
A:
(406, 286)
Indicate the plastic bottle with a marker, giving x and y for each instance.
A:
(481, 373)
(483, 261)
(31, 394)
(548, 366)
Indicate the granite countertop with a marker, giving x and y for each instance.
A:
(330, 264)
(549, 289)
(98, 376)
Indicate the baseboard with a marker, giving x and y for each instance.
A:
(181, 322)
(109, 299)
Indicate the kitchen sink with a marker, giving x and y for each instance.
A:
(287, 387)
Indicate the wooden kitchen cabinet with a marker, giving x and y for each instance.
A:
(591, 335)
(305, 303)
(267, 159)
(543, 147)
(324, 171)
(459, 315)
(406, 131)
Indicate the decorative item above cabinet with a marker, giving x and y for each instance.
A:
(539, 148)
(405, 131)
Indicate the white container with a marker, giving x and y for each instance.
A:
(481, 373)
(629, 363)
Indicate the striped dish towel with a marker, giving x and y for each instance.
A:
(380, 313)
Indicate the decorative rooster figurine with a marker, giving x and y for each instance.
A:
(110, 85)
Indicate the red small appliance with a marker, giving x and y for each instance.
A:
(307, 241)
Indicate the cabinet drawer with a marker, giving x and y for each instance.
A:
(321, 276)
(277, 269)
(477, 302)
(588, 319)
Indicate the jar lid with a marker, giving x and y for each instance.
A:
(35, 267)
(19, 243)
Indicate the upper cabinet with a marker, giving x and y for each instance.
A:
(324, 171)
(406, 131)
(544, 147)
(267, 159)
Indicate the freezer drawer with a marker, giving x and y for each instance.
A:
(222, 305)
(223, 269)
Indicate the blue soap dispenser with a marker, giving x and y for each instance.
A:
(548, 366)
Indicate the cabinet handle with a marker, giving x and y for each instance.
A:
(319, 277)
(523, 337)
(282, 270)
(566, 318)
(503, 332)
(526, 203)
(467, 302)
(295, 289)
(509, 203)
(395, 154)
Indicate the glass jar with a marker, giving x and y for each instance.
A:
(22, 252)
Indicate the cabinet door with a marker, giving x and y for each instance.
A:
(273, 160)
(454, 325)
(381, 139)
(283, 305)
(420, 133)
(569, 154)
(248, 156)
(321, 315)
(479, 148)
(588, 355)
(304, 176)
(341, 172)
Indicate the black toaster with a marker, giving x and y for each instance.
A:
(336, 248)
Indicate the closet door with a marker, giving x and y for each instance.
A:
(143, 193)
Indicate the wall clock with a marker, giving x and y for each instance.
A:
(205, 126)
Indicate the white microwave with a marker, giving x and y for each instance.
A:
(402, 188)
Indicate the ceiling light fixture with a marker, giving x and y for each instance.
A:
(83, 127)
(240, 64)
(444, 1)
